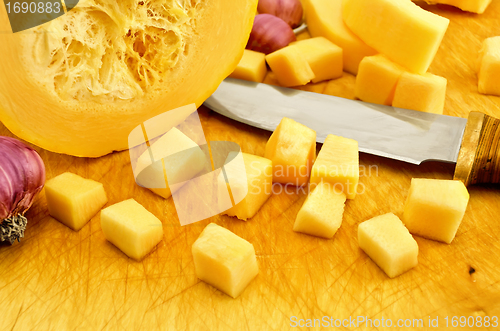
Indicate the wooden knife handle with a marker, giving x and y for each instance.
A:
(479, 157)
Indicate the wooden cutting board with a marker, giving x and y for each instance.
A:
(57, 279)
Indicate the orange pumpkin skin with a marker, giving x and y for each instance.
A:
(79, 84)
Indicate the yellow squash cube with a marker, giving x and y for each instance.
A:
(321, 213)
(271, 79)
(389, 244)
(290, 66)
(489, 69)
(399, 29)
(292, 149)
(324, 18)
(224, 260)
(171, 160)
(132, 228)
(377, 78)
(303, 35)
(435, 208)
(425, 92)
(74, 200)
(323, 56)
(256, 188)
(473, 6)
(312, 87)
(342, 87)
(252, 67)
(338, 164)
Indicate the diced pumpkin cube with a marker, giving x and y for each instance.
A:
(74, 200)
(473, 6)
(324, 57)
(399, 29)
(254, 190)
(489, 68)
(342, 87)
(338, 164)
(224, 260)
(132, 228)
(290, 66)
(312, 87)
(321, 213)
(303, 35)
(425, 92)
(252, 67)
(271, 79)
(377, 79)
(435, 208)
(389, 244)
(171, 160)
(324, 18)
(292, 149)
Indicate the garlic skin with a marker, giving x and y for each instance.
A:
(290, 11)
(22, 177)
(269, 33)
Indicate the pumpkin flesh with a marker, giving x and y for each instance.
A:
(79, 84)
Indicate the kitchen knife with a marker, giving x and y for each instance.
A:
(401, 134)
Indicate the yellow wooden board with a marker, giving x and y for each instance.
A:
(57, 279)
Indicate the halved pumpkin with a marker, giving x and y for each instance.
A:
(80, 83)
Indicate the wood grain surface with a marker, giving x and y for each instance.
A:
(58, 279)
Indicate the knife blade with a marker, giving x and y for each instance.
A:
(401, 134)
(396, 133)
